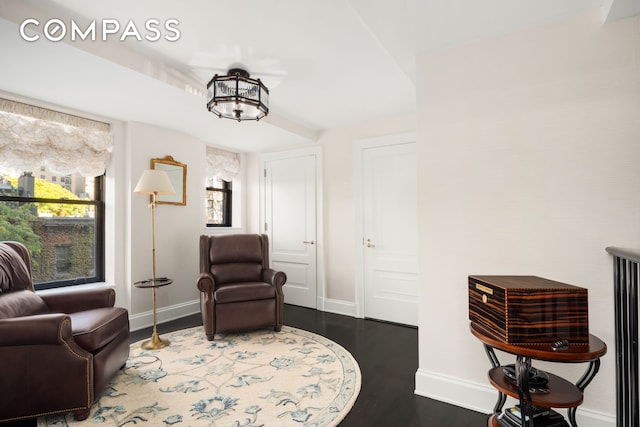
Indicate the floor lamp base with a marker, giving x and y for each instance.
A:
(155, 343)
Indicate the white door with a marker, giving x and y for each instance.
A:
(290, 222)
(390, 249)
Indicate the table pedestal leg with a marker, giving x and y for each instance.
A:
(155, 343)
(523, 367)
(502, 398)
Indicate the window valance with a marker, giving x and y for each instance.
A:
(222, 163)
(31, 137)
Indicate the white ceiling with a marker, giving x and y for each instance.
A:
(328, 63)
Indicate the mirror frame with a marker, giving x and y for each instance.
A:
(178, 175)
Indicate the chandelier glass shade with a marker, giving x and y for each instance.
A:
(237, 96)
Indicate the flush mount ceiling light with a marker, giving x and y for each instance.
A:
(237, 96)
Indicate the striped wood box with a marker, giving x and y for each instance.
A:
(529, 309)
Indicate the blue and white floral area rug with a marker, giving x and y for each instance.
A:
(262, 378)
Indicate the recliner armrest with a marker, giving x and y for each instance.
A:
(66, 301)
(41, 329)
(206, 283)
(273, 277)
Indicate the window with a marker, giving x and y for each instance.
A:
(219, 202)
(223, 173)
(63, 231)
(65, 181)
(59, 218)
(63, 260)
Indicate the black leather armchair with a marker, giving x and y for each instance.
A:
(58, 350)
(238, 289)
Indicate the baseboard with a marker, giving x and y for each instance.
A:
(482, 397)
(164, 314)
(337, 306)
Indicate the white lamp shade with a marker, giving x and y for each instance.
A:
(154, 181)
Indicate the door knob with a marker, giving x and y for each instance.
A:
(311, 242)
(369, 244)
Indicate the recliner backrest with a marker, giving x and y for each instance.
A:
(237, 257)
(17, 296)
(15, 267)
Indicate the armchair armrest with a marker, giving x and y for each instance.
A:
(42, 329)
(66, 301)
(206, 283)
(41, 358)
(273, 277)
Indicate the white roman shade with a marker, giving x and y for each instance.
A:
(32, 137)
(223, 164)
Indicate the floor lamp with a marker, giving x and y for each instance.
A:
(154, 182)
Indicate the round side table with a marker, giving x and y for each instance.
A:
(561, 393)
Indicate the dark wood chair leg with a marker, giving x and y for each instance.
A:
(82, 414)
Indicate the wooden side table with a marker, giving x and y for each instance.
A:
(562, 393)
(155, 343)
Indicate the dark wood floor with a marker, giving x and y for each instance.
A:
(388, 359)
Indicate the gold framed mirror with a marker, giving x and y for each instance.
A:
(177, 173)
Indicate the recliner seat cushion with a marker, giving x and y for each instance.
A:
(21, 303)
(237, 292)
(93, 329)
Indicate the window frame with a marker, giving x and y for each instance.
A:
(227, 203)
(99, 218)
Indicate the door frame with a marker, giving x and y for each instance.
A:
(359, 145)
(288, 154)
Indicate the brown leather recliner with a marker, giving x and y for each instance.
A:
(238, 289)
(58, 350)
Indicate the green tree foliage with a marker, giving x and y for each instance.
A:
(47, 190)
(15, 224)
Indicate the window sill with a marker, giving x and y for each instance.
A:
(64, 289)
(223, 230)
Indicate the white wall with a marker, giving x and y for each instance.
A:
(252, 192)
(339, 207)
(177, 228)
(528, 164)
(338, 204)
